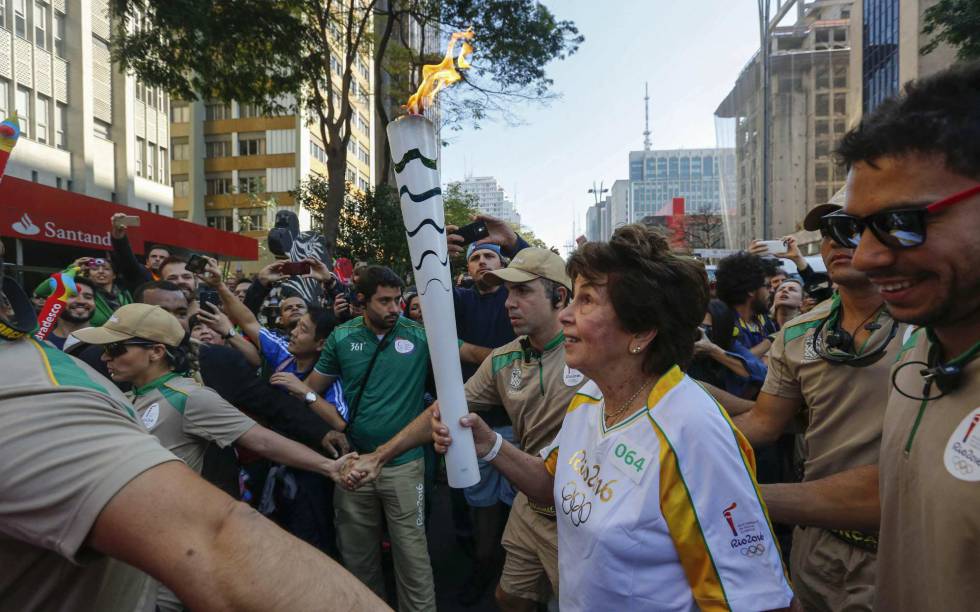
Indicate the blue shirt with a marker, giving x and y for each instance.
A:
(275, 351)
(481, 319)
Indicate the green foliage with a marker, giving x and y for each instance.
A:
(954, 22)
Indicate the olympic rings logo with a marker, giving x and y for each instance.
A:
(753, 551)
(574, 505)
(964, 467)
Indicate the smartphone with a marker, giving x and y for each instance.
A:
(775, 247)
(197, 263)
(129, 221)
(473, 232)
(209, 296)
(295, 268)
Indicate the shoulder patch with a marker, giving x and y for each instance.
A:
(499, 362)
(796, 331)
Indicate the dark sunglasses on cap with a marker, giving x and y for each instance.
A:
(118, 349)
(900, 228)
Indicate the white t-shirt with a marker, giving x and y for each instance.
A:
(662, 511)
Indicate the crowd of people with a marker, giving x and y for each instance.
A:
(183, 438)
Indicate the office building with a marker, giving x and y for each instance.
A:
(491, 199)
(809, 66)
(235, 166)
(657, 177)
(86, 126)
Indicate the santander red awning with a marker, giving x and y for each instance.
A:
(37, 212)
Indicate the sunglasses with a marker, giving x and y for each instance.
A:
(118, 349)
(900, 228)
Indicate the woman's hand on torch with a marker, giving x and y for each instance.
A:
(483, 436)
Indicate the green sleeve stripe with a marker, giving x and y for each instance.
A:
(67, 373)
(800, 329)
(176, 397)
(502, 361)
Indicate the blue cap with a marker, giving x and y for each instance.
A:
(488, 246)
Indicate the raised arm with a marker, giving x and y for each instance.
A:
(222, 325)
(130, 270)
(239, 314)
(216, 553)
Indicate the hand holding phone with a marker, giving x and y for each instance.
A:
(473, 232)
(128, 221)
(294, 268)
(774, 247)
(197, 263)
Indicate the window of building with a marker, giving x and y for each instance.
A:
(317, 152)
(822, 105)
(365, 126)
(218, 185)
(23, 106)
(251, 219)
(180, 149)
(879, 68)
(151, 97)
(4, 93)
(252, 145)
(840, 103)
(249, 110)
(41, 25)
(217, 148)
(351, 175)
(216, 111)
(363, 155)
(352, 146)
(182, 186)
(102, 129)
(821, 77)
(251, 183)
(151, 156)
(20, 18)
(164, 166)
(363, 183)
(821, 172)
(59, 35)
(42, 108)
(180, 113)
(840, 76)
(140, 145)
(140, 91)
(3, 13)
(221, 222)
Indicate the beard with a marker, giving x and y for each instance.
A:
(71, 318)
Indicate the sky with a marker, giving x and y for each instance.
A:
(690, 52)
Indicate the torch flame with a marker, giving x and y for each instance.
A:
(435, 77)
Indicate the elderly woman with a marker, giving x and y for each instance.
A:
(657, 505)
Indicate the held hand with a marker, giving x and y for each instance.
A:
(215, 319)
(339, 469)
(335, 443)
(292, 384)
(362, 471)
(118, 229)
(271, 273)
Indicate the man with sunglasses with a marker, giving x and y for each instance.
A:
(912, 213)
(831, 365)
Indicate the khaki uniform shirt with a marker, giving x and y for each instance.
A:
(534, 389)
(185, 416)
(929, 550)
(69, 442)
(846, 404)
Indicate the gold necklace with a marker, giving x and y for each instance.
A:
(615, 415)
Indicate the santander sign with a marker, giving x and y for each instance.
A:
(25, 226)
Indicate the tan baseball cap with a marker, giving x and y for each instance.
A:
(136, 321)
(811, 222)
(529, 264)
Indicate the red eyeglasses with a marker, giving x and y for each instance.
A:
(900, 228)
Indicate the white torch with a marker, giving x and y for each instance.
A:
(415, 152)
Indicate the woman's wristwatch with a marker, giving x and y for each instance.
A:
(231, 334)
(310, 397)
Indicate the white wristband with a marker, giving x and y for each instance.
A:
(493, 451)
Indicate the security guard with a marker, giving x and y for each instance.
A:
(832, 365)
